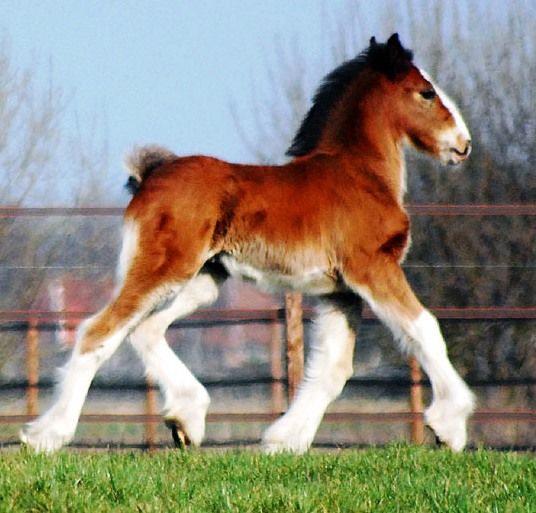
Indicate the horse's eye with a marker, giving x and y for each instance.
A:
(428, 94)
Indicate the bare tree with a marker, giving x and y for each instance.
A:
(474, 262)
(41, 165)
(30, 129)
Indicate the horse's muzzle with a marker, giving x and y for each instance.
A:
(458, 155)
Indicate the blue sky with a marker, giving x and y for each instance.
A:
(167, 71)
(161, 71)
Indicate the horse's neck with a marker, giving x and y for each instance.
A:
(386, 161)
(393, 172)
(361, 130)
(384, 156)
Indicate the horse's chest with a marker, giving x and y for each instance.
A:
(314, 281)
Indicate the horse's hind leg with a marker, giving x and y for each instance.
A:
(386, 290)
(329, 366)
(98, 338)
(186, 399)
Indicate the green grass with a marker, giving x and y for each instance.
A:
(393, 479)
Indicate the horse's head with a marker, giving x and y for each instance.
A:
(419, 109)
(377, 95)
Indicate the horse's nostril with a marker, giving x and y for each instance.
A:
(463, 153)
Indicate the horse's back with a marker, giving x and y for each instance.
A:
(310, 213)
(181, 180)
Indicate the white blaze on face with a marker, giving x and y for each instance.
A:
(457, 137)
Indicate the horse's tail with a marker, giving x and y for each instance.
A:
(142, 162)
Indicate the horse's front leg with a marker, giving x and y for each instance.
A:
(329, 366)
(385, 288)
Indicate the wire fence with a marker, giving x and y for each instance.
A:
(280, 381)
(286, 350)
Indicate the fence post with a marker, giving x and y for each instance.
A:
(294, 325)
(416, 402)
(32, 368)
(276, 369)
(151, 408)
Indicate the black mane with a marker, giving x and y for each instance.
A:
(390, 59)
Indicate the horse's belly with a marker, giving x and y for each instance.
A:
(312, 281)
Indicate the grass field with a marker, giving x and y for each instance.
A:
(393, 479)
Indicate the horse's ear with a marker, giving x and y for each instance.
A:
(397, 56)
(391, 58)
(394, 41)
(394, 47)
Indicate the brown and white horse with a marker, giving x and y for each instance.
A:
(330, 223)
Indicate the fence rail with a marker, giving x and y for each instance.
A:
(421, 209)
(33, 322)
(234, 316)
(481, 416)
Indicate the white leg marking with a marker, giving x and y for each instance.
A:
(186, 399)
(452, 400)
(57, 425)
(330, 366)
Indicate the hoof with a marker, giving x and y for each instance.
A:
(448, 421)
(48, 433)
(283, 436)
(177, 432)
(438, 442)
